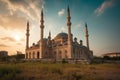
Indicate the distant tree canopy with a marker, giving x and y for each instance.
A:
(12, 57)
(111, 58)
(18, 56)
(3, 58)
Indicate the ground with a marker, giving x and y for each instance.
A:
(58, 71)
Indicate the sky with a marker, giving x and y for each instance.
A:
(101, 16)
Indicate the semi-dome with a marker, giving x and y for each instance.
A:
(44, 39)
(61, 35)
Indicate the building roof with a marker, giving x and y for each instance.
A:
(112, 53)
(61, 36)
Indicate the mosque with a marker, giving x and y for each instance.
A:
(62, 46)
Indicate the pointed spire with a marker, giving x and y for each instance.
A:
(27, 27)
(49, 37)
(68, 11)
(49, 33)
(86, 27)
(41, 13)
(27, 23)
(42, 24)
(69, 25)
(42, 18)
(87, 35)
(81, 42)
(68, 17)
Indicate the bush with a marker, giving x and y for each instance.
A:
(8, 73)
(64, 61)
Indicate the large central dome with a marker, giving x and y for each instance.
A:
(61, 35)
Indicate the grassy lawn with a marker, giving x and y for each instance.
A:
(58, 71)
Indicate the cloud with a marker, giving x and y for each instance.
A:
(61, 12)
(8, 39)
(105, 5)
(12, 22)
(19, 43)
(63, 29)
(22, 39)
(14, 13)
(79, 24)
(3, 45)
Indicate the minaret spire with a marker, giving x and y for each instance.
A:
(49, 33)
(69, 25)
(87, 35)
(41, 34)
(69, 33)
(42, 24)
(49, 37)
(27, 35)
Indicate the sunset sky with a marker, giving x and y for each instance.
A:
(102, 17)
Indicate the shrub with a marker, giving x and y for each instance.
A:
(64, 61)
(8, 73)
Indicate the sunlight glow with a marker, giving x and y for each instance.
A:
(17, 38)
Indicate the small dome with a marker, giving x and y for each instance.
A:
(61, 36)
(44, 39)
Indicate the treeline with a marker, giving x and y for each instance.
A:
(111, 58)
(11, 58)
(106, 59)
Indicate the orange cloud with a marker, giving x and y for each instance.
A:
(14, 13)
(8, 39)
(3, 45)
(13, 17)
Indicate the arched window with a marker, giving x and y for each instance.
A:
(26, 55)
(66, 54)
(73, 50)
(38, 54)
(60, 54)
(30, 55)
(33, 55)
(54, 54)
(46, 54)
(65, 51)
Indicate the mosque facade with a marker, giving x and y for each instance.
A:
(62, 46)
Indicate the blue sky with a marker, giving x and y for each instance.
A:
(104, 26)
(102, 17)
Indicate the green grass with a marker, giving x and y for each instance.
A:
(58, 71)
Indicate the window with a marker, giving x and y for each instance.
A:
(54, 54)
(46, 54)
(60, 54)
(33, 55)
(30, 55)
(38, 54)
(26, 55)
(65, 51)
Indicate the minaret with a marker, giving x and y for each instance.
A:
(27, 36)
(41, 34)
(69, 33)
(49, 37)
(42, 25)
(87, 35)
